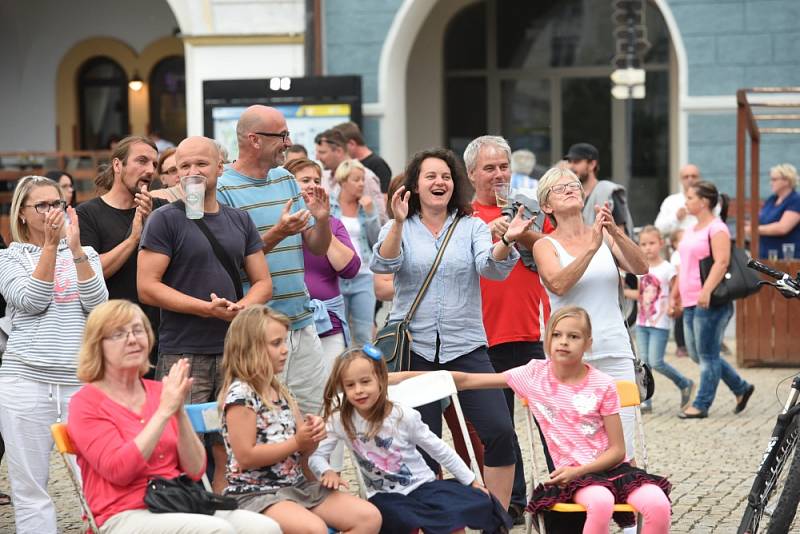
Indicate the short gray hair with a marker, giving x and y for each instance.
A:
(475, 146)
(523, 161)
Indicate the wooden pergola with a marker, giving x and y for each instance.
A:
(765, 327)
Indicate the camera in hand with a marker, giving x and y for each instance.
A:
(530, 210)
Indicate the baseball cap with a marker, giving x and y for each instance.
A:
(580, 151)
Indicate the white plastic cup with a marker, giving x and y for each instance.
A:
(788, 251)
(194, 187)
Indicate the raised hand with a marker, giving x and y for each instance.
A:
(175, 388)
(604, 214)
(499, 226)
(597, 231)
(310, 432)
(400, 203)
(291, 223)
(73, 232)
(517, 227)
(53, 227)
(317, 201)
(144, 201)
(367, 203)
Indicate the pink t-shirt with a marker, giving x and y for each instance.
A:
(114, 472)
(694, 247)
(570, 415)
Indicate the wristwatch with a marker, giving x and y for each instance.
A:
(81, 259)
(505, 241)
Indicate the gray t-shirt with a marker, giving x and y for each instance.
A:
(194, 270)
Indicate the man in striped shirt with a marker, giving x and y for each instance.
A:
(285, 218)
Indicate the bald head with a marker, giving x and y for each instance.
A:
(689, 174)
(263, 138)
(199, 155)
(198, 142)
(259, 119)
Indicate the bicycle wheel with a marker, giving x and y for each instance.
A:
(770, 481)
(780, 521)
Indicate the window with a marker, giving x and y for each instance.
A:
(168, 99)
(103, 96)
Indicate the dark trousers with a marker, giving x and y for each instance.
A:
(680, 340)
(485, 409)
(507, 356)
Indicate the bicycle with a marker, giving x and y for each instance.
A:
(771, 478)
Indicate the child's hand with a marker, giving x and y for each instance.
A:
(477, 485)
(309, 433)
(563, 476)
(331, 480)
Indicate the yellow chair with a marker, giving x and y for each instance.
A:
(628, 397)
(66, 449)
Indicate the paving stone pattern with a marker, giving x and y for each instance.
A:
(711, 462)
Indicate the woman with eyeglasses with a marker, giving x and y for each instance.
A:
(579, 266)
(51, 283)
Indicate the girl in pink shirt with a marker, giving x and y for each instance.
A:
(577, 408)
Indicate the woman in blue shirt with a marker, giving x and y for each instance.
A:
(447, 329)
(779, 218)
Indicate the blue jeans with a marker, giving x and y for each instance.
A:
(704, 329)
(359, 301)
(652, 342)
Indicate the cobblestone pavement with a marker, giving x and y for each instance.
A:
(710, 462)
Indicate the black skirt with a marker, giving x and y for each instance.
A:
(621, 481)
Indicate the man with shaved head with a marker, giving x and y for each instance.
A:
(673, 215)
(180, 272)
(286, 218)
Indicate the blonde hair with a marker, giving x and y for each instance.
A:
(19, 230)
(551, 178)
(105, 319)
(788, 171)
(650, 229)
(245, 355)
(345, 168)
(568, 311)
(335, 400)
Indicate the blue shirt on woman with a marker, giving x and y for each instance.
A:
(772, 213)
(451, 307)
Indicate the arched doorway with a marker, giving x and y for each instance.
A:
(103, 102)
(168, 99)
(538, 73)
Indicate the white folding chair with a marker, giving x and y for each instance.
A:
(205, 420)
(629, 397)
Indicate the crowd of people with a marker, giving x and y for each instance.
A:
(124, 308)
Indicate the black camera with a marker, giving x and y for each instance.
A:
(530, 210)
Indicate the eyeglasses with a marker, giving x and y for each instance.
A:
(369, 349)
(559, 189)
(283, 135)
(119, 335)
(44, 207)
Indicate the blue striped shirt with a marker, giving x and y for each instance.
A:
(263, 199)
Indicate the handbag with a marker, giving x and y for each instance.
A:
(219, 252)
(739, 282)
(182, 495)
(394, 339)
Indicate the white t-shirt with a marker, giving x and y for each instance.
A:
(654, 296)
(353, 227)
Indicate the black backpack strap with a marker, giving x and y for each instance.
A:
(219, 252)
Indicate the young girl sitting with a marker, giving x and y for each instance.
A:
(384, 437)
(268, 442)
(577, 408)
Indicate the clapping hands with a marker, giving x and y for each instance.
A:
(175, 388)
(310, 432)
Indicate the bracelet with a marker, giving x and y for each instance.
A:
(506, 242)
(81, 259)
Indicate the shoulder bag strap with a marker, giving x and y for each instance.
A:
(219, 252)
(621, 303)
(436, 261)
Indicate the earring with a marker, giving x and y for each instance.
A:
(23, 220)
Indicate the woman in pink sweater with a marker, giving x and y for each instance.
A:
(128, 430)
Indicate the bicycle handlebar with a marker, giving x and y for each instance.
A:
(769, 271)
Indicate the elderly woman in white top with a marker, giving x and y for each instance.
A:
(578, 265)
(447, 330)
(51, 284)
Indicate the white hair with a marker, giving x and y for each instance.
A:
(523, 161)
(475, 146)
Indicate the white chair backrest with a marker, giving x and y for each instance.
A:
(423, 389)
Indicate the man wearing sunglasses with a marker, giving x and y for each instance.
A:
(584, 160)
(286, 218)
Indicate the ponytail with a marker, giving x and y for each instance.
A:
(724, 203)
(104, 179)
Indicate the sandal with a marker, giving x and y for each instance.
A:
(4, 499)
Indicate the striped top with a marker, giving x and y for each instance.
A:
(48, 317)
(570, 415)
(264, 199)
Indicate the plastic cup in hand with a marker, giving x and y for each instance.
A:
(195, 189)
(772, 254)
(788, 251)
(502, 193)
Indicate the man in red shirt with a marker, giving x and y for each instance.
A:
(516, 309)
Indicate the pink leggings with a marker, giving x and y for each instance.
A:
(648, 500)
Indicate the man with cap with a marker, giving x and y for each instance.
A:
(584, 161)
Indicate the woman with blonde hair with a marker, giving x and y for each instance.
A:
(51, 283)
(579, 266)
(779, 218)
(128, 430)
(361, 218)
